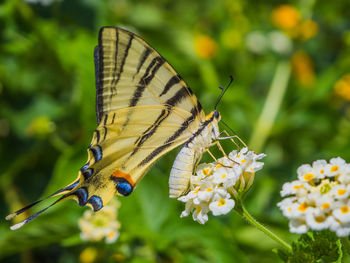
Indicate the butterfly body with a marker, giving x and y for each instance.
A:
(144, 110)
(190, 152)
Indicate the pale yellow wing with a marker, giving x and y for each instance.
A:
(144, 109)
(120, 156)
(131, 73)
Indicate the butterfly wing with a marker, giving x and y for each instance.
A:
(129, 73)
(144, 109)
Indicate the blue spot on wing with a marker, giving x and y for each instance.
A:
(88, 173)
(82, 169)
(122, 185)
(96, 202)
(82, 195)
(96, 152)
(124, 188)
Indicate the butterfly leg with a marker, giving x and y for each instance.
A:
(217, 143)
(231, 137)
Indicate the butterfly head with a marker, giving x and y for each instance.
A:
(216, 115)
(213, 119)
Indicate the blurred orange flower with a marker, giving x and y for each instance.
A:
(342, 87)
(303, 68)
(285, 17)
(205, 46)
(289, 19)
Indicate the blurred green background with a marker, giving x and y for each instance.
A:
(290, 100)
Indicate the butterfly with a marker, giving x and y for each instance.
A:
(144, 109)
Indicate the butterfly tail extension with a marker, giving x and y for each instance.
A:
(65, 190)
(30, 218)
(181, 172)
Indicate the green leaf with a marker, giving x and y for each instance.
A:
(320, 247)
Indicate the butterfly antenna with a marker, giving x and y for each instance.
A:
(223, 92)
(234, 133)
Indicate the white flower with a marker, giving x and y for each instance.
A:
(221, 206)
(103, 224)
(201, 214)
(340, 191)
(212, 188)
(317, 220)
(319, 168)
(226, 177)
(320, 199)
(342, 213)
(306, 173)
(325, 203)
(344, 176)
(256, 42)
(286, 206)
(298, 226)
(279, 42)
(299, 188)
(335, 166)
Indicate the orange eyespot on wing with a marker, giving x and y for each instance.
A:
(124, 183)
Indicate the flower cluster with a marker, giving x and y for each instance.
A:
(289, 20)
(101, 225)
(320, 198)
(215, 185)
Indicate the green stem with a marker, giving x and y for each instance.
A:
(271, 107)
(240, 209)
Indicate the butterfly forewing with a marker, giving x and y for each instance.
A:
(131, 73)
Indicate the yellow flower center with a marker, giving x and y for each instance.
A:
(196, 191)
(341, 191)
(302, 207)
(309, 176)
(298, 186)
(223, 176)
(206, 171)
(325, 206)
(209, 189)
(344, 210)
(243, 161)
(334, 168)
(322, 171)
(218, 166)
(222, 202)
(111, 234)
(320, 219)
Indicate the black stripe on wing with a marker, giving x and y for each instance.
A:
(151, 71)
(171, 139)
(98, 53)
(143, 58)
(173, 101)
